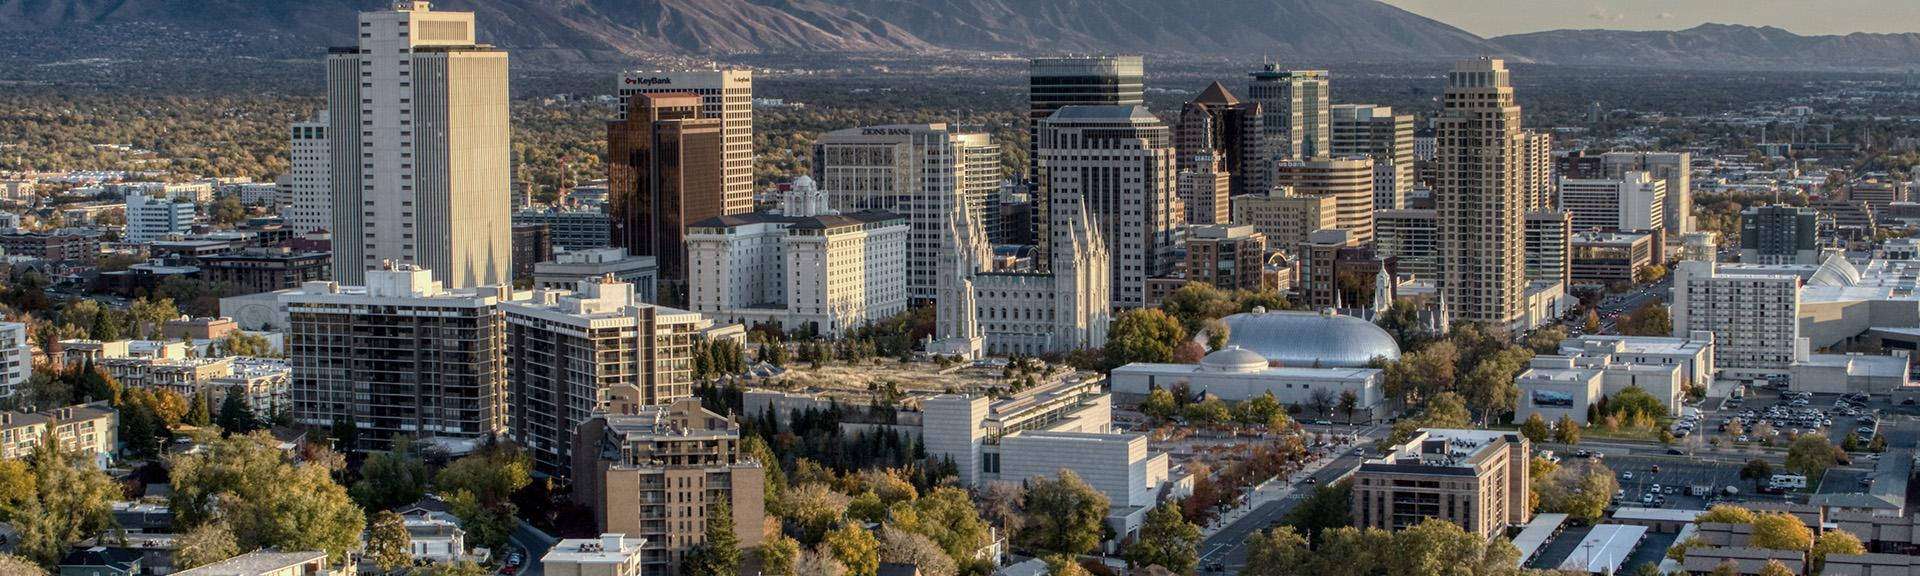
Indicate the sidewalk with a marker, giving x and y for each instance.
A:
(1273, 490)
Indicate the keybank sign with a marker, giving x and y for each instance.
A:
(650, 81)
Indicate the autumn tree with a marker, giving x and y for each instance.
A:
(389, 545)
(1812, 454)
(855, 548)
(480, 487)
(1064, 514)
(1142, 335)
(205, 544)
(1535, 428)
(1166, 540)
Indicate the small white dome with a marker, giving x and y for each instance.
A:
(1234, 359)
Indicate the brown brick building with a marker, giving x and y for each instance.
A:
(266, 269)
(652, 471)
(1475, 478)
(54, 247)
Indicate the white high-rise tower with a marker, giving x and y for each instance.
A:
(421, 153)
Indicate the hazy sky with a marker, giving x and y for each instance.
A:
(1497, 17)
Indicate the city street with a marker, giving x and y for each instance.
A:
(1228, 546)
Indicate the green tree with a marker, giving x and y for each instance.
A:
(1535, 428)
(1349, 401)
(719, 555)
(1159, 405)
(1757, 470)
(1328, 507)
(149, 314)
(268, 500)
(1257, 410)
(1064, 565)
(1446, 410)
(1489, 386)
(1210, 410)
(1064, 514)
(1566, 431)
(1651, 319)
(1217, 333)
(235, 417)
(205, 544)
(243, 344)
(867, 507)
(392, 478)
(480, 487)
(855, 548)
(948, 517)
(778, 554)
(389, 545)
(1775, 568)
(345, 434)
(1142, 335)
(200, 415)
(1811, 455)
(456, 568)
(72, 500)
(1280, 551)
(1582, 494)
(1166, 540)
(1196, 303)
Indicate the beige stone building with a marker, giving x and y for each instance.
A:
(1347, 180)
(652, 473)
(1481, 194)
(91, 429)
(1475, 478)
(1285, 218)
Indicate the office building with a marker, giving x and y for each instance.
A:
(918, 171)
(568, 348)
(1549, 247)
(532, 244)
(152, 218)
(1410, 237)
(1284, 217)
(1066, 308)
(90, 430)
(567, 269)
(1578, 165)
(1877, 194)
(1752, 311)
(402, 355)
(726, 94)
(417, 121)
(608, 555)
(1228, 257)
(1337, 271)
(1348, 180)
(1480, 195)
(1296, 109)
(1204, 193)
(653, 472)
(310, 177)
(266, 269)
(1609, 258)
(1215, 124)
(1377, 132)
(1635, 202)
(1675, 168)
(571, 230)
(1693, 353)
(1779, 234)
(1118, 161)
(665, 170)
(1568, 385)
(1055, 83)
(811, 269)
(1477, 479)
(1236, 375)
(1038, 432)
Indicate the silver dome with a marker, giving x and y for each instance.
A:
(1234, 359)
(1303, 339)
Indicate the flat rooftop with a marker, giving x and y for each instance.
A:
(1604, 549)
(1536, 534)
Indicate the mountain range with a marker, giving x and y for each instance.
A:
(1317, 31)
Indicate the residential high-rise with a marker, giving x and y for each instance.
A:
(1752, 310)
(918, 171)
(1376, 131)
(1676, 168)
(568, 349)
(1216, 124)
(1055, 83)
(1550, 246)
(654, 472)
(1480, 196)
(1536, 170)
(1119, 162)
(1635, 202)
(152, 218)
(1285, 218)
(1205, 192)
(726, 94)
(665, 170)
(16, 359)
(1295, 104)
(1348, 180)
(310, 177)
(417, 120)
(1779, 234)
(402, 355)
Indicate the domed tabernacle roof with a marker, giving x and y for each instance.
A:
(1304, 339)
(1234, 359)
